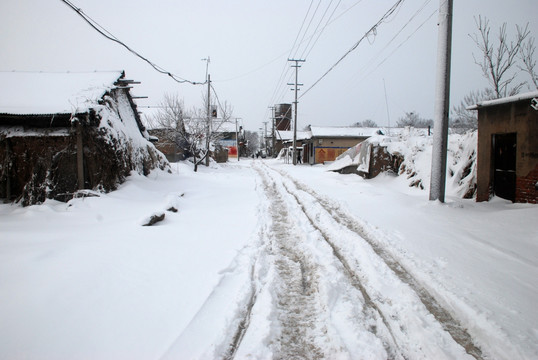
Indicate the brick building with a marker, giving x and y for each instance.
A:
(507, 161)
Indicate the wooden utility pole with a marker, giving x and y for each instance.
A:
(442, 97)
(296, 88)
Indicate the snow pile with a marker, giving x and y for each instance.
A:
(414, 147)
(118, 127)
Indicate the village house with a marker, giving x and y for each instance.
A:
(319, 145)
(64, 132)
(284, 140)
(507, 159)
(327, 143)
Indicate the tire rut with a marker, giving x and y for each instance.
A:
(296, 310)
(447, 321)
(298, 273)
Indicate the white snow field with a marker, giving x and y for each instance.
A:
(266, 260)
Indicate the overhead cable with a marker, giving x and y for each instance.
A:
(285, 69)
(281, 86)
(401, 44)
(101, 30)
(372, 30)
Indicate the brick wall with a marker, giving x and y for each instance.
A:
(526, 188)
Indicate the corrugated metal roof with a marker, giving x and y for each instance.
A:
(43, 93)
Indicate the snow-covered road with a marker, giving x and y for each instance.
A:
(335, 293)
(294, 262)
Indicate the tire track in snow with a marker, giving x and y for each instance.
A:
(297, 295)
(447, 321)
(244, 322)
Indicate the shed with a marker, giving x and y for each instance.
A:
(507, 159)
(63, 132)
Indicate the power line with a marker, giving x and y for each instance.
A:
(281, 87)
(400, 44)
(218, 101)
(422, 7)
(308, 27)
(285, 69)
(322, 29)
(317, 27)
(373, 30)
(104, 32)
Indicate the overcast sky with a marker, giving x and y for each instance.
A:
(249, 42)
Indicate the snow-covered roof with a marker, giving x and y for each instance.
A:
(287, 135)
(40, 93)
(217, 125)
(343, 131)
(505, 100)
(225, 126)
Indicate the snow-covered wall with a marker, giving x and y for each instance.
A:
(411, 151)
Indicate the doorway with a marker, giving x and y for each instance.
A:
(504, 165)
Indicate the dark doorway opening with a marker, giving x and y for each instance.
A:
(504, 165)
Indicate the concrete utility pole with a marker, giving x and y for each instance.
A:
(208, 135)
(442, 96)
(296, 88)
(273, 108)
(265, 136)
(237, 139)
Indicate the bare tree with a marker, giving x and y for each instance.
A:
(171, 113)
(526, 54)
(195, 132)
(368, 123)
(413, 119)
(252, 142)
(499, 57)
(464, 119)
(170, 121)
(205, 130)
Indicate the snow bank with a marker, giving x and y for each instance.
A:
(84, 280)
(415, 147)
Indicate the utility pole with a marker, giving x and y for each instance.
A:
(208, 119)
(265, 136)
(237, 139)
(273, 108)
(386, 104)
(296, 88)
(442, 97)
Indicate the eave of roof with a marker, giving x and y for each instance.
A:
(505, 100)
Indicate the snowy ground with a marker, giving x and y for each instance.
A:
(267, 260)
